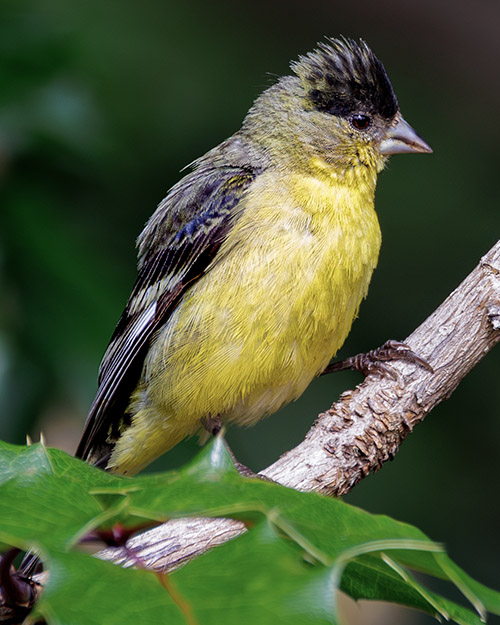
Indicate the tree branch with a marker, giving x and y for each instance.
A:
(366, 426)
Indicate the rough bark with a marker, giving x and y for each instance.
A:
(366, 426)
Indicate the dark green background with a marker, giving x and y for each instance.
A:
(101, 105)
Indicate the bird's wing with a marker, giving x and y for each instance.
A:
(182, 239)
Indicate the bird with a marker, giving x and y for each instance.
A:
(253, 267)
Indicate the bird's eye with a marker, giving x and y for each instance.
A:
(360, 121)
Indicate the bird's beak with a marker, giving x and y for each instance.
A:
(401, 139)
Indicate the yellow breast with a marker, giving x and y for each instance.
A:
(267, 317)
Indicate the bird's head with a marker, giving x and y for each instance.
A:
(339, 110)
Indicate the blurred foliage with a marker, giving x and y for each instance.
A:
(101, 105)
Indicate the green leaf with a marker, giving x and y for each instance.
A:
(44, 498)
(301, 548)
(85, 591)
(258, 578)
(369, 577)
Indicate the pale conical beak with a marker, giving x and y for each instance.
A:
(401, 139)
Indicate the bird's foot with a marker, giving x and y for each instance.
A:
(212, 425)
(374, 360)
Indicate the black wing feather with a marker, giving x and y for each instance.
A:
(181, 240)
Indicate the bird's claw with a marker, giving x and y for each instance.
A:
(212, 425)
(374, 360)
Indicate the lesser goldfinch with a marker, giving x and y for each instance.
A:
(253, 267)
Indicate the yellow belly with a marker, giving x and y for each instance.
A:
(267, 317)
